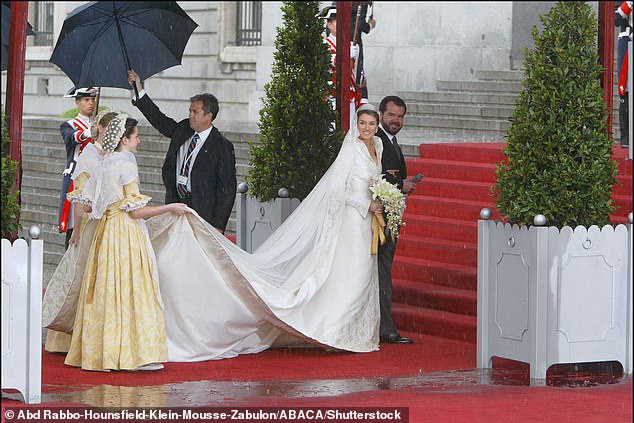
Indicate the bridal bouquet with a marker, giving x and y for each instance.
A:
(393, 203)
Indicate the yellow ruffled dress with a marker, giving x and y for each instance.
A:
(119, 322)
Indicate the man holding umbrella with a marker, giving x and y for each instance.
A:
(76, 135)
(200, 164)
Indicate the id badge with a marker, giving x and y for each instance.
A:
(182, 180)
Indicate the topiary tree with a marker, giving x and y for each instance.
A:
(10, 206)
(558, 153)
(298, 142)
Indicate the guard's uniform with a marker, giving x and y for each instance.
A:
(76, 135)
(623, 16)
(355, 99)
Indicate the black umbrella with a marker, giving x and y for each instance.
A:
(102, 40)
(6, 21)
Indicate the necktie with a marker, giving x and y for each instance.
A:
(397, 149)
(187, 160)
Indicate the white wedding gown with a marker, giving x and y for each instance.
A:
(314, 278)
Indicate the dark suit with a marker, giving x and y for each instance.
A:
(392, 159)
(213, 174)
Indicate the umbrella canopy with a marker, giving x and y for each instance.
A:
(6, 21)
(100, 41)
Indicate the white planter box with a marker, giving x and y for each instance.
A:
(256, 221)
(547, 296)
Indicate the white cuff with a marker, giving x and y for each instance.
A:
(141, 93)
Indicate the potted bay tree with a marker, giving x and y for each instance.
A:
(297, 141)
(554, 278)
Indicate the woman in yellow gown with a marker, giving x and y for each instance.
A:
(59, 304)
(119, 321)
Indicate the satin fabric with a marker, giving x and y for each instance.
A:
(313, 279)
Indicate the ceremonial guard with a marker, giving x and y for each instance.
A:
(76, 135)
(623, 18)
(330, 14)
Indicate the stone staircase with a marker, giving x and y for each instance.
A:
(469, 111)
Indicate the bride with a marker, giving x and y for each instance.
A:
(314, 278)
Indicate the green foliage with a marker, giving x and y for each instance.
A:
(298, 142)
(71, 113)
(558, 153)
(10, 205)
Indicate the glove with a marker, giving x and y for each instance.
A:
(354, 51)
(86, 134)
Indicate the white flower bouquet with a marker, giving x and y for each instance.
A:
(393, 202)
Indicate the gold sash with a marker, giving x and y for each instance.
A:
(378, 232)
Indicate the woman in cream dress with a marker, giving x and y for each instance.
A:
(314, 279)
(62, 292)
(119, 321)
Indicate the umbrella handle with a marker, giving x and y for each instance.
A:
(136, 93)
(96, 111)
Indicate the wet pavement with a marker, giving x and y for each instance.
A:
(216, 393)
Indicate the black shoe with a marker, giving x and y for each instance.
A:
(395, 338)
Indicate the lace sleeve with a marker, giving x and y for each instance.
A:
(133, 199)
(77, 194)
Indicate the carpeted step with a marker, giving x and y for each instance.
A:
(623, 185)
(452, 188)
(437, 249)
(440, 227)
(452, 169)
(625, 166)
(622, 156)
(435, 267)
(440, 273)
(420, 294)
(435, 322)
(467, 152)
(624, 202)
(449, 207)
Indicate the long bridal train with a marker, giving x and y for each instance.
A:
(314, 278)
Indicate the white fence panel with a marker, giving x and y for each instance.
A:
(22, 317)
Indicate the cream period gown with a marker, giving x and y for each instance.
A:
(62, 292)
(119, 322)
(314, 278)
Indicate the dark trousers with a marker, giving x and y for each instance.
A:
(385, 259)
(69, 232)
(624, 121)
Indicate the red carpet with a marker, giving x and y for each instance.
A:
(435, 279)
(422, 377)
(428, 354)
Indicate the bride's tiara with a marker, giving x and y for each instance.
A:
(366, 107)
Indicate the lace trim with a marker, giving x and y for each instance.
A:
(77, 196)
(134, 202)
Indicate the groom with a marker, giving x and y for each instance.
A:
(392, 111)
(200, 165)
